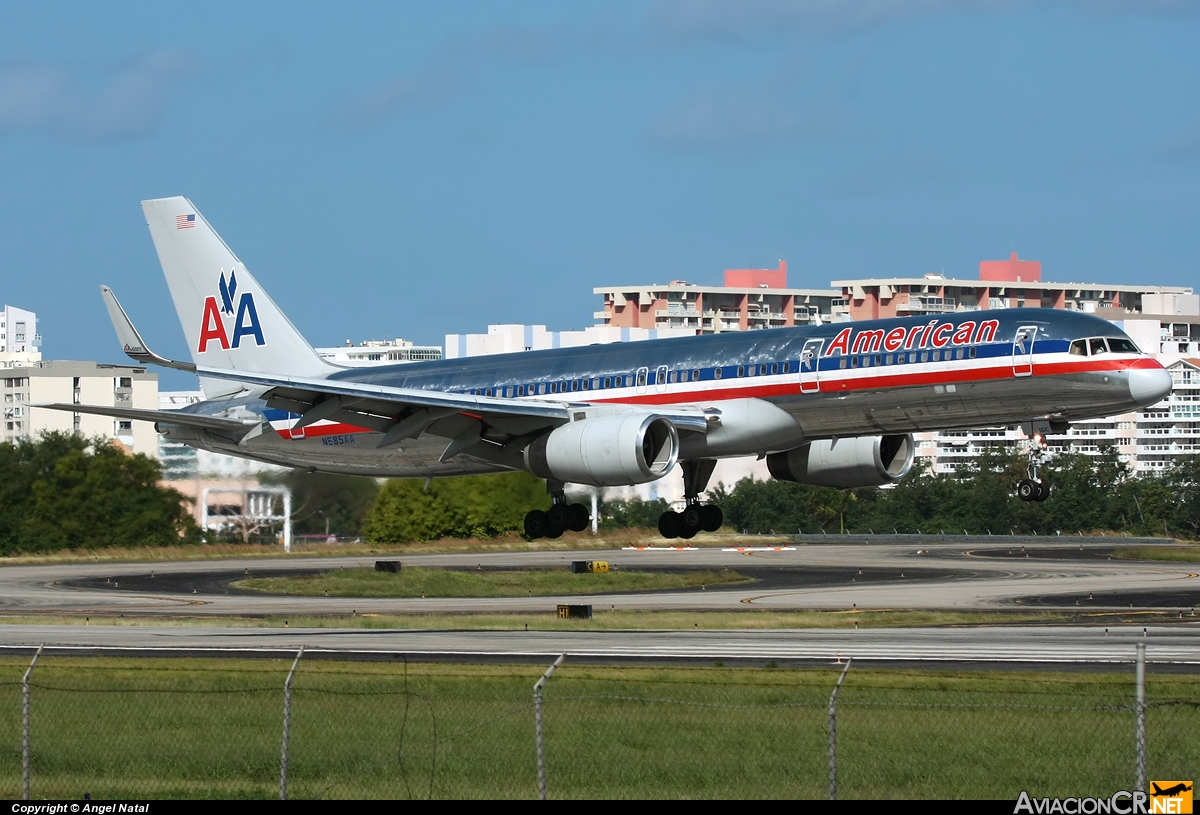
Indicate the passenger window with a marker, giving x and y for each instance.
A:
(741, 370)
(717, 372)
(774, 367)
(878, 360)
(1098, 346)
(628, 381)
(596, 384)
(888, 360)
(542, 388)
(762, 369)
(853, 362)
(574, 384)
(1079, 348)
(971, 352)
(924, 356)
(787, 367)
(520, 390)
(696, 375)
(842, 362)
(752, 370)
(672, 377)
(607, 382)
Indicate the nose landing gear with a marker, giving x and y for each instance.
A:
(695, 517)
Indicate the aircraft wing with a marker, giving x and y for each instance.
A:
(403, 413)
(165, 416)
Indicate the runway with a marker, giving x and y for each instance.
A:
(954, 574)
(966, 645)
(865, 573)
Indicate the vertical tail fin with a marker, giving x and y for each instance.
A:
(228, 319)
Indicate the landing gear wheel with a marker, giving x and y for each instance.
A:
(1043, 491)
(670, 524)
(711, 517)
(560, 517)
(691, 521)
(1028, 489)
(580, 518)
(537, 525)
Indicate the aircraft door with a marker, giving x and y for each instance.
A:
(643, 374)
(660, 379)
(810, 373)
(1022, 355)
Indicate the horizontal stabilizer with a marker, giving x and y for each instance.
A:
(165, 416)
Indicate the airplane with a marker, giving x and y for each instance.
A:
(1170, 792)
(833, 404)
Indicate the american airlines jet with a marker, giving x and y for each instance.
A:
(833, 405)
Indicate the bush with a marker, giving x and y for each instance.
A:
(464, 507)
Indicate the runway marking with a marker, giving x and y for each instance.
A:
(760, 549)
(663, 548)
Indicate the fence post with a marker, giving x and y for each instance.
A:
(25, 723)
(1140, 782)
(287, 726)
(537, 723)
(833, 732)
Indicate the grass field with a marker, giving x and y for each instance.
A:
(417, 582)
(1180, 554)
(157, 728)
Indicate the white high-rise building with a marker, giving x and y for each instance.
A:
(18, 331)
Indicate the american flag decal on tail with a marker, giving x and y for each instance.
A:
(185, 221)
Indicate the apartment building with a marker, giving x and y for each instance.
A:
(378, 352)
(750, 298)
(18, 332)
(28, 382)
(508, 338)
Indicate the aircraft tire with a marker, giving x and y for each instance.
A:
(537, 525)
(711, 517)
(580, 518)
(1043, 491)
(560, 517)
(1027, 489)
(669, 524)
(692, 521)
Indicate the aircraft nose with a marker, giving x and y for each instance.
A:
(1148, 386)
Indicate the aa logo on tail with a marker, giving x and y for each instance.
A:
(245, 322)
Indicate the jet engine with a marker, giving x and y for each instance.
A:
(604, 451)
(865, 461)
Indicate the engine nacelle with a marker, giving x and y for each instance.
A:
(865, 461)
(606, 451)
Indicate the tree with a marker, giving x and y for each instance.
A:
(327, 502)
(64, 491)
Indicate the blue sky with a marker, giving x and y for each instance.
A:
(417, 169)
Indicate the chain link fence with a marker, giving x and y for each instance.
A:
(217, 728)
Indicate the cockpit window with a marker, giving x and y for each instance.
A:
(1079, 348)
(1120, 345)
(1098, 346)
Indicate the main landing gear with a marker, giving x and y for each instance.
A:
(559, 518)
(695, 517)
(1034, 488)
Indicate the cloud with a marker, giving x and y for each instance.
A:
(753, 19)
(86, 105)
(1183, 146)
(461, 64)
(727, 116)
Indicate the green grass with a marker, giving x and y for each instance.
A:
(198, 728)
(1181, 554)
(417, 582)
(631, 619)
